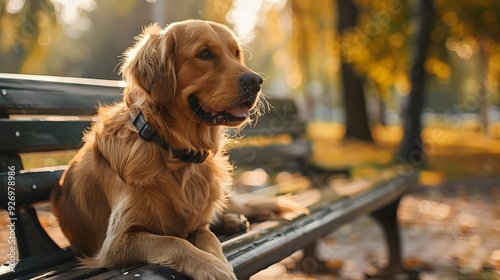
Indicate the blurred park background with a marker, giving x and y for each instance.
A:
(379, 81)
(348, 63)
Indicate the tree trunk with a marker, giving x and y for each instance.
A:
(412, 148)
(382, 111)
(484, 105)
(357, 125)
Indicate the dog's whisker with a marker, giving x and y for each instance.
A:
(248, 50)
(263, 75)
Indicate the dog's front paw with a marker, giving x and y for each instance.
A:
(214, 269)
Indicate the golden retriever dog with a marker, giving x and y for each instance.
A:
(153, 171)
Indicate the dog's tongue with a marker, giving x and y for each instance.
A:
(241, 111)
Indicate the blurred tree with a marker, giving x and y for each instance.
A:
(217, 10)
(42, 37)
(357, 125)
(113, 30)
(266, 37)
(412, 149)
(467, 28)
(315, 51)
(376, 47)
(26, 29)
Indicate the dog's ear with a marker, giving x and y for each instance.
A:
(150, 63)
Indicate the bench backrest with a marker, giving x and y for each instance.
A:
(36, 98)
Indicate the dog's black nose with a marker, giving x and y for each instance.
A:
(251, 82)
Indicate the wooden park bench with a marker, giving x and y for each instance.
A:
(46, 114)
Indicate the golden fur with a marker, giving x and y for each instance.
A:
(125, 201)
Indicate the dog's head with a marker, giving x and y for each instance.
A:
(194, 69)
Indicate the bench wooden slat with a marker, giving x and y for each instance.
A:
(23, 136)
(298, 149)
(32, 186)
(68, 271)
(71, 270)
(26, 94)
(282, 118)
(148, 271)
(34, 264)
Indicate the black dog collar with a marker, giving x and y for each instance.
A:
(149, 134)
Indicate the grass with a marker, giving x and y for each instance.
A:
(451, 153)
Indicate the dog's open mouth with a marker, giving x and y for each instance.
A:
(236, 114)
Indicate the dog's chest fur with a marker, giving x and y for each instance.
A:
(176, 197)
(192, 198)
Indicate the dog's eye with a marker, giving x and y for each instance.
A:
(206, 54)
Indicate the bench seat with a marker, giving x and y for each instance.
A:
(46, 114)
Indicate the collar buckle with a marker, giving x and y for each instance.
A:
(145, 130)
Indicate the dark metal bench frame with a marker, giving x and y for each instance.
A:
(248, 253)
